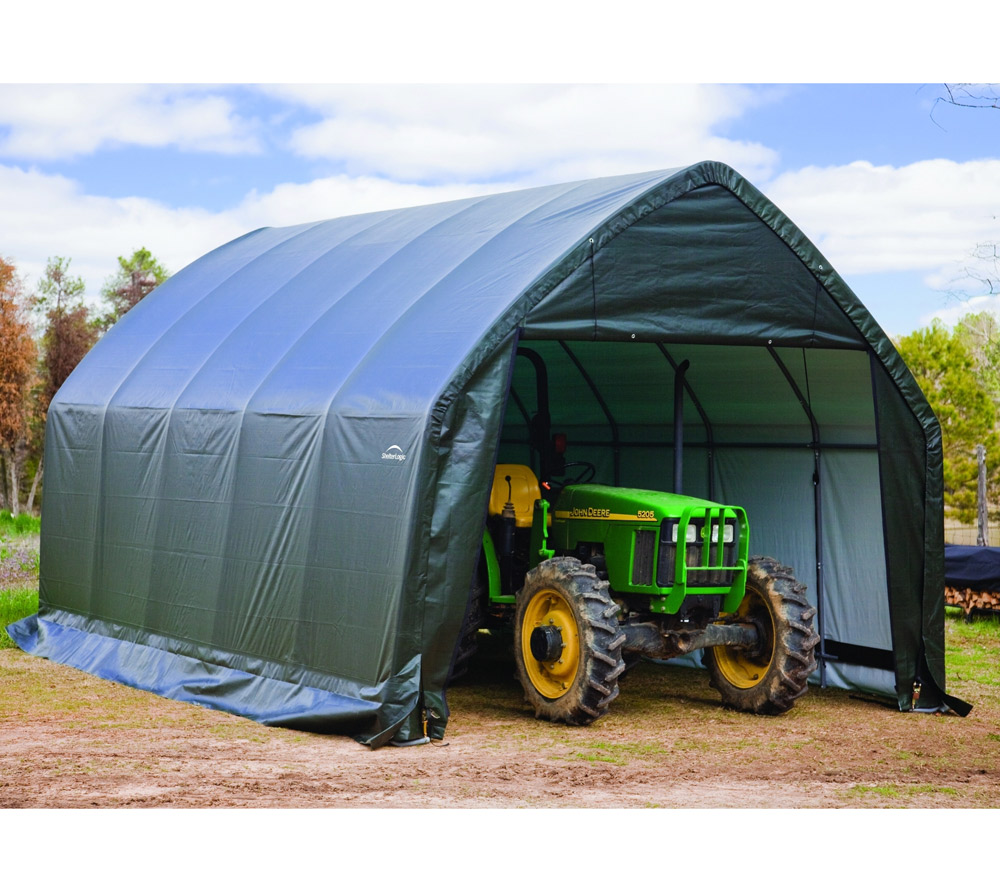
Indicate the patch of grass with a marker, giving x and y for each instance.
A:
(18, 570)
(618, 753)
(897, 791)
(601, 757)
(15, 604)
(23, 524)
(296, 737)
(21, 560)
(239, 731)
(972, 649)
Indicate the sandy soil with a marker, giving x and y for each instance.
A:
(69, 740)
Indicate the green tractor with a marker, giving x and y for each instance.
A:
(593, 578)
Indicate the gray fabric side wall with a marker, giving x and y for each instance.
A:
(912, 498)
(448, 536)
(72, 469)
(857, 594)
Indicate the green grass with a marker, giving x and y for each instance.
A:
(18, 570)
(15, 604)
(21, 525)
(972, 648)
(899, 791)
(618, 753)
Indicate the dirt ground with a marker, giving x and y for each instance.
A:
(68, 740)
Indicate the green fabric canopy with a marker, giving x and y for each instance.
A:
(266, 486)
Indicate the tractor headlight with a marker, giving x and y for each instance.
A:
(692, 533)
(728, 535)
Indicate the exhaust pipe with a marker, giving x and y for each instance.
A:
(679, 426)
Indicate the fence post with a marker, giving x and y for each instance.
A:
(983, 535)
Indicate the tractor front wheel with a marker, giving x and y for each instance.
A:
(567, 642)
(769, 678)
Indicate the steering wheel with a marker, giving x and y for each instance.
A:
(584, 476)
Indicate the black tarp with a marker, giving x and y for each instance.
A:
(974, 567)
(266, 485)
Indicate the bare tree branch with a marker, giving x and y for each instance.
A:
(971, 95)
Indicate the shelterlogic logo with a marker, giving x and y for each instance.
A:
(394, 453)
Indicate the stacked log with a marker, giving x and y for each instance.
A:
(970, 599)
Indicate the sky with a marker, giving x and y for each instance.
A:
(895, 187)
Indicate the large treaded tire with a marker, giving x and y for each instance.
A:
(568, 596)
(468, 639)
(770, 680)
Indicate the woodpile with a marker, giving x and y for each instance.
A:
(970, 599)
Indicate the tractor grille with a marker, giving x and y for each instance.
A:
(693, 558)
(642, 561)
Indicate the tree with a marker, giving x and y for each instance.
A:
(984, 265)
(982, 268)
(980, 334)
(68, 336)
(69, 333)
(945, 369)
(136, 277)
(17, 371)
(971, 95)
(57, 287)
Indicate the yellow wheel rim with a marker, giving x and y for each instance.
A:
(549, 608)
(740, 667)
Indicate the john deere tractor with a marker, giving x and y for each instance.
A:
(596, 577)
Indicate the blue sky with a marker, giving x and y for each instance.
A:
(895, 187)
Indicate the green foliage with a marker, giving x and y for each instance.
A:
(946, 370)
(69, 331)
(57, 288)
(980, 333)
(136, 277)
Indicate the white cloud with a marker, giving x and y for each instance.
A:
(925, 216)
(984, 303)
(45, 215)
(397, 146)
(531, 134)
(49, 122)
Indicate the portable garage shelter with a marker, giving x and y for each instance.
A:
(266, 486)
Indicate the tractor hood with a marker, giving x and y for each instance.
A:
(597, 502)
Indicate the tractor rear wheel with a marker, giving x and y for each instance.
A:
(567, 642)
(768, 679)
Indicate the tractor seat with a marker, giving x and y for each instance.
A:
(524, 492)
